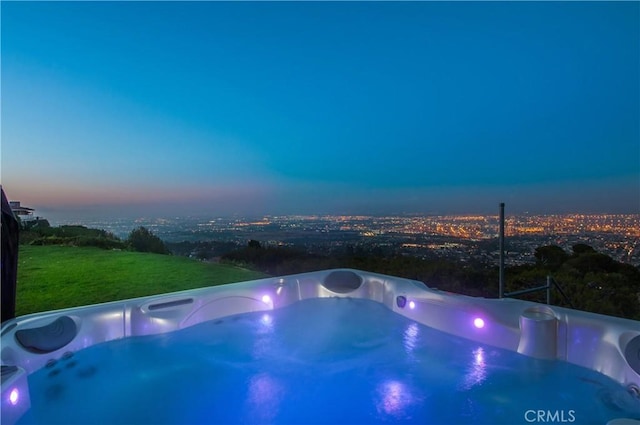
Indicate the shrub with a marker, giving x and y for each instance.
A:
(142, 240)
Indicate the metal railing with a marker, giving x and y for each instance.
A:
(551, 282)
(501, 249)
(501, 279)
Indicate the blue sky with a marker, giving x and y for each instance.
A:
(331, 107)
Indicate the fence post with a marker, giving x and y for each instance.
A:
(501, 247)
(548, 289)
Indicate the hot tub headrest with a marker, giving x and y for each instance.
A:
(48, 338)
(632, 354)
(342, 281)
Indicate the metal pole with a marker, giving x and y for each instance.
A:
(548, 289)
(501, 242)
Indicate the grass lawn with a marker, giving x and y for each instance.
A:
(53, 277)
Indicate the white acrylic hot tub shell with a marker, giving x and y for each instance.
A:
(589, 340)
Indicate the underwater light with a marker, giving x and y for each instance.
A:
(412, 305)
(266, 319)
(478, 323)
(266, 299)
(14, 396)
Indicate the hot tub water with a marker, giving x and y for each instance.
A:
(324, 360)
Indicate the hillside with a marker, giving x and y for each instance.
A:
(54, 277)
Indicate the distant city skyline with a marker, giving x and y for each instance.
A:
(166, 108)
(457, 236)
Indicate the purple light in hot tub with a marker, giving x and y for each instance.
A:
(14, 396)
(478, 322)
(412, 305)
(266, 299)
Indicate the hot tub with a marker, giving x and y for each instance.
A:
(335, 346)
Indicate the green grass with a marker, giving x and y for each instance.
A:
(53, 277)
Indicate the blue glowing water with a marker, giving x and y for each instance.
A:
(320, 361)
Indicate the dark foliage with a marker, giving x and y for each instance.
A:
(254, 244)
(593, 281)
(141, 239)
(44, 234)
(581, 248)
(37, 224)
(550, 256)
(202, 250)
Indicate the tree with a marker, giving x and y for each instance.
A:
(550, 256)
(254, 244)
(581, 248)
(142, 240)
(593, 262)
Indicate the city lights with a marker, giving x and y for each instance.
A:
(461, 237)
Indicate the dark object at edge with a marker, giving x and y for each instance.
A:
(9, 260)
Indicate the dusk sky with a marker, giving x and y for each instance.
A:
(215, 108)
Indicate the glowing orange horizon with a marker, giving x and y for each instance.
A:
(51, 195)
